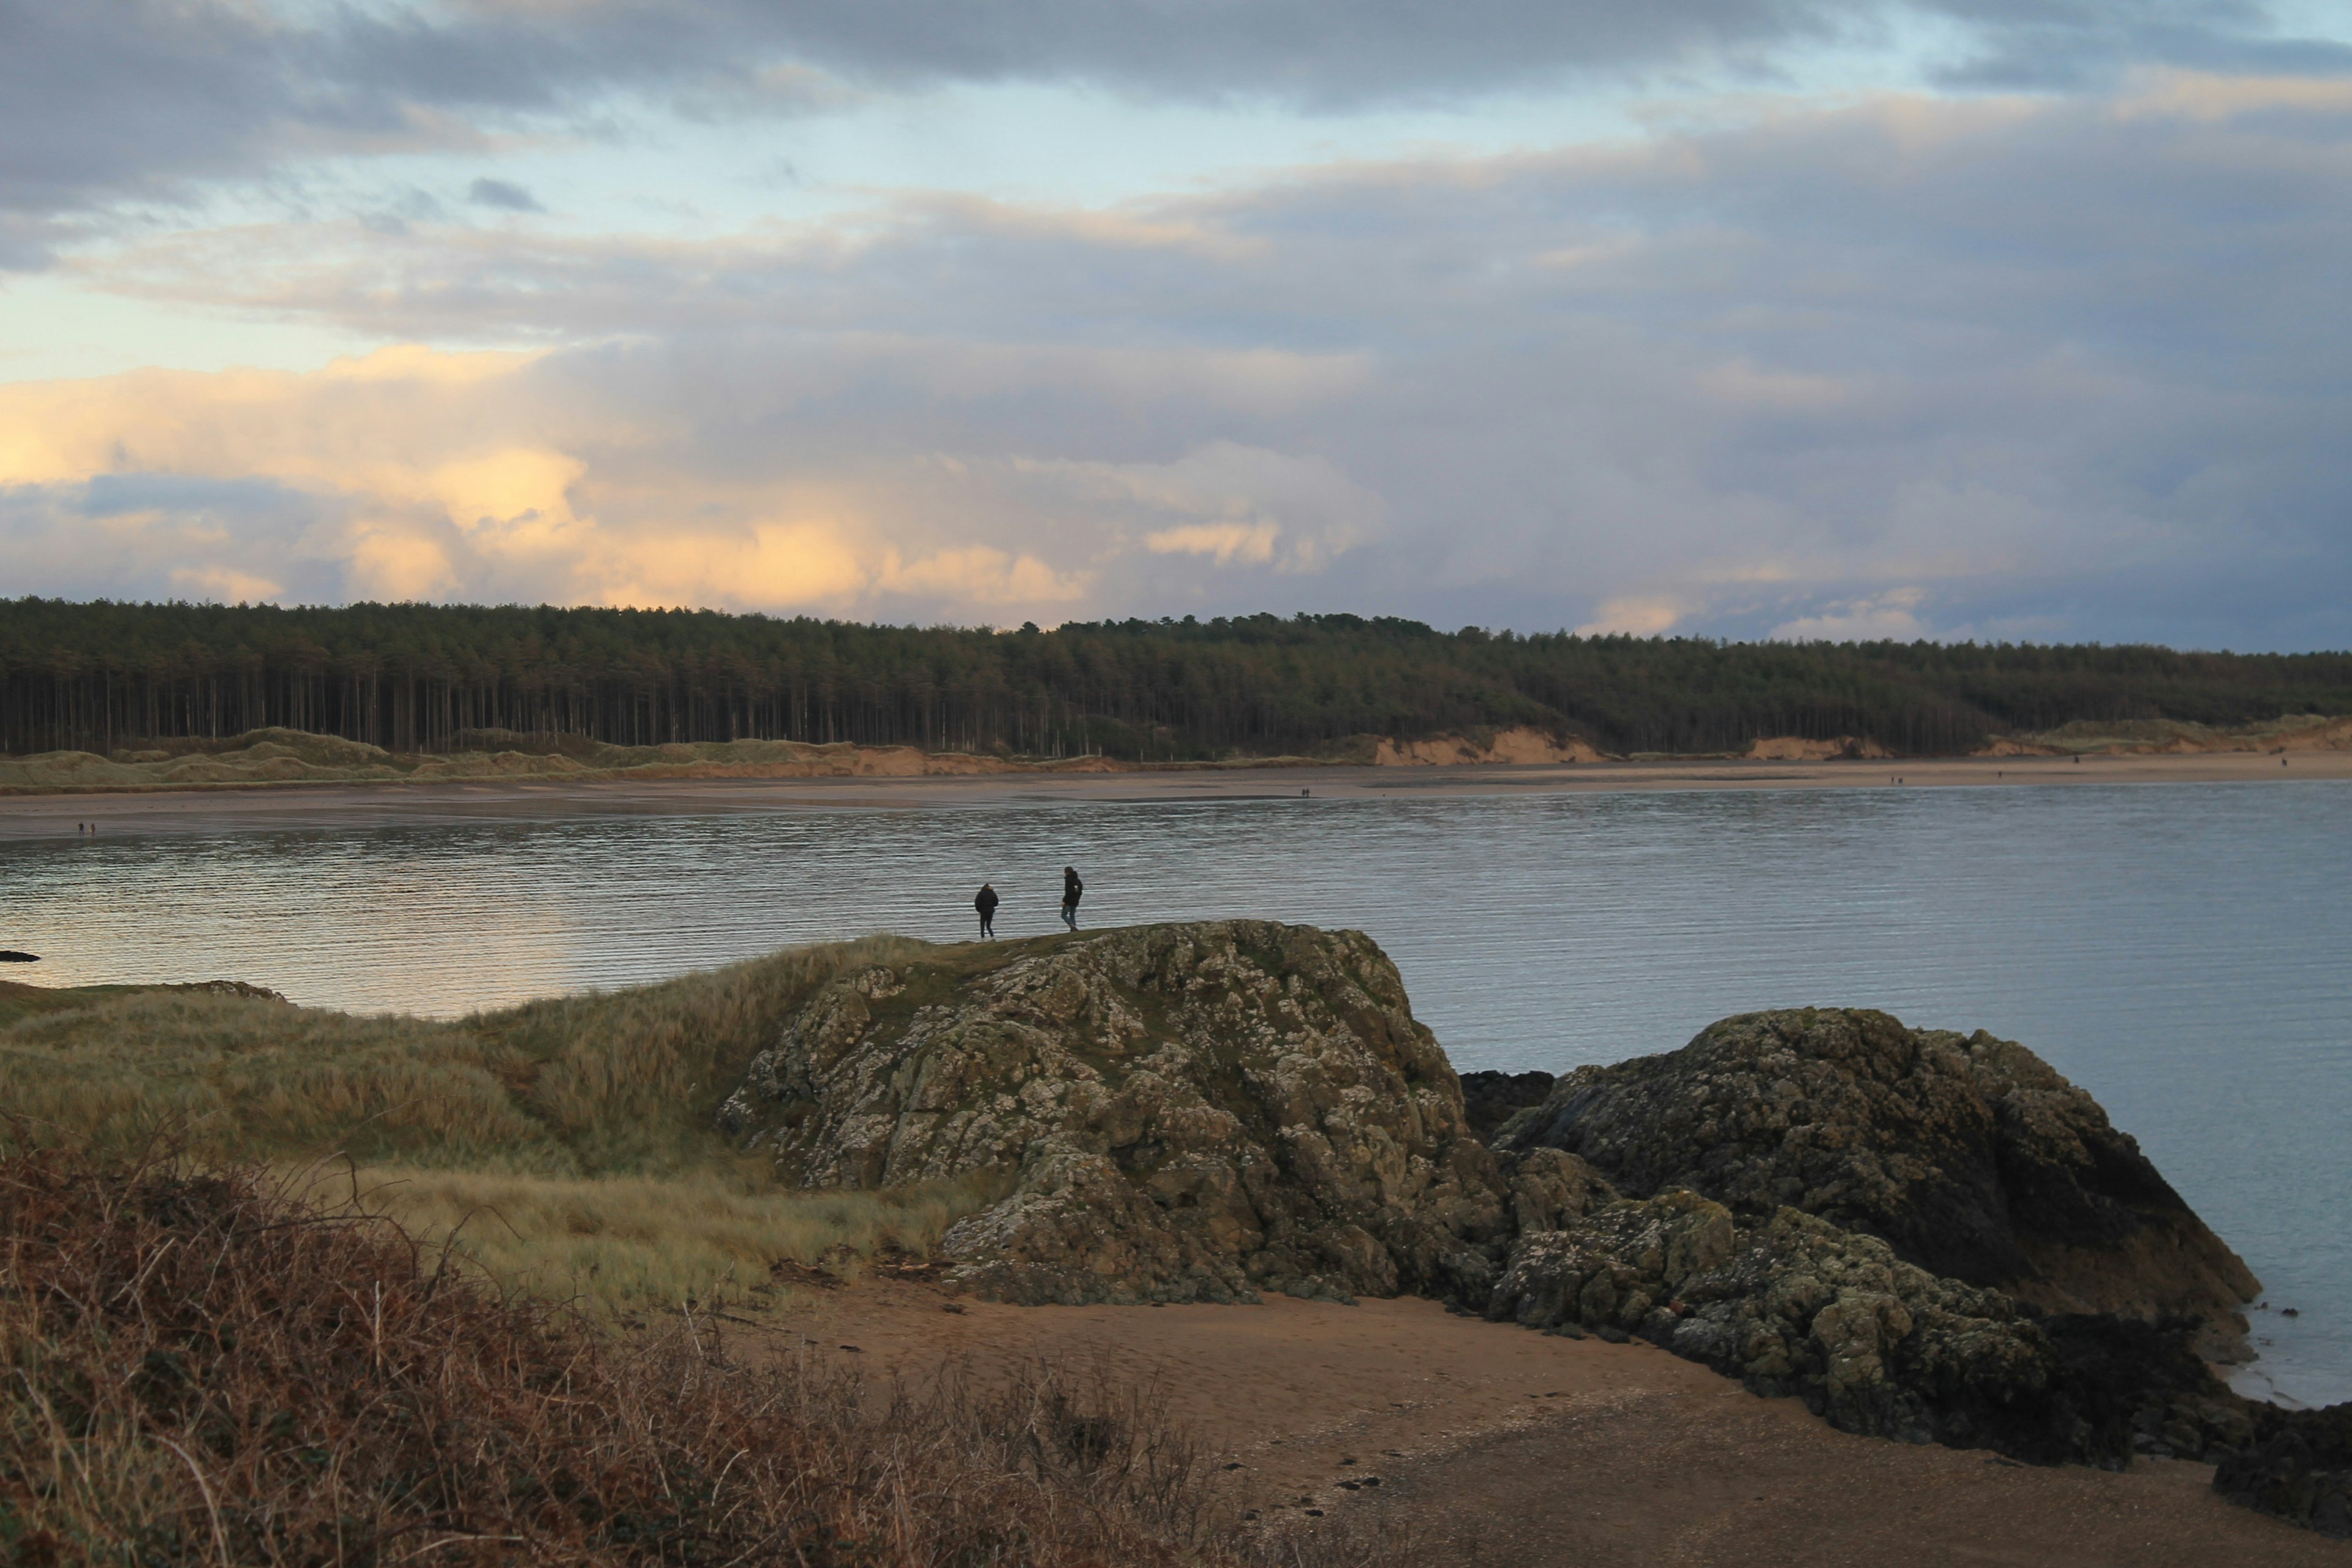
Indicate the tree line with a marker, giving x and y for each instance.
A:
(422, 678)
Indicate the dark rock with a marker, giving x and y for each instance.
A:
(1188, 1113)
(2299, 1470)
(1894, 1226)
(1795, 1305)
(1491, 1099)
(1967, 1154)
(10, 955)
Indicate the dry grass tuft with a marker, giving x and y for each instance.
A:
(632, 1242)
(202, 1370)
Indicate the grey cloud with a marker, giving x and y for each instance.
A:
(2058, 43)
(2082, 367)
(170, 536)
(1319, 53)
(503, 194)
(145, 100)
(2079, 369)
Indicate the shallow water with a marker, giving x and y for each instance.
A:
(2177, 949)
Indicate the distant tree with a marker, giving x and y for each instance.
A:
(417, 678)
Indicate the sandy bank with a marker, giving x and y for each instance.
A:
(1542, 1450)
(529, 800)
(275, 759)
(1518, 745)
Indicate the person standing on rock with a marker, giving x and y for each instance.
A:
(985, 901)
(1071, 888)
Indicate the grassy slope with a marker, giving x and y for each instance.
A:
(2292, 731)
(572, 1137)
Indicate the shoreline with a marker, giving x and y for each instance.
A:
(274, 807)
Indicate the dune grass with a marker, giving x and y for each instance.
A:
(630, 1243)
(2289, 731)
(621, 1082)
(567, 1143)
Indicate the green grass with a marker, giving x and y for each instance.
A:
(569, 1144)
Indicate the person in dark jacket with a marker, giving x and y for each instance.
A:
(985, 901)
(1071, 888)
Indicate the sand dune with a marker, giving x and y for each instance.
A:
(1515, 745)
(2172, 737)
(278, 757)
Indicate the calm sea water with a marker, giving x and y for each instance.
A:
(2179, 950)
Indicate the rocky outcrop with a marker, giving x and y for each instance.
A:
(1966, 1155)
(1924, 1236)
(2300, 1469)
(1187, 1112)
(1793, 1305)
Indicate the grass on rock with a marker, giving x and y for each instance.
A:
(568, 1143)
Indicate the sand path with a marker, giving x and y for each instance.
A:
(278, 808)
(1505, 1448)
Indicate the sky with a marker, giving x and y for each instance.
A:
(2002, 320)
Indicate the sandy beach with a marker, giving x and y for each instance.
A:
(299, 806)
(1507, 1448)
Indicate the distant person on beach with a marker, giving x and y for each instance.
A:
(985, 901)
(1071, 889)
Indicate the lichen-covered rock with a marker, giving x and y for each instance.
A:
(1191, 1112)
(1790, 1305)
(1794, 1305)
(1967, 1154)
(1549, 1189)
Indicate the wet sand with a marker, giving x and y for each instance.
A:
(1512, 1449)
(300, 807)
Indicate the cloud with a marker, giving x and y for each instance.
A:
(1890, 616)
(412, 474)
(1254, 506)
(168, 536)
(982, 576)
(1224, 542)
(142, 101)
(1636, 614)
(2069, 363)
(503, 194)
(802, 565)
